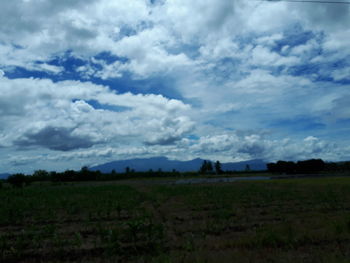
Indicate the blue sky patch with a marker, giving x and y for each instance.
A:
(96, 105)
(294, 36)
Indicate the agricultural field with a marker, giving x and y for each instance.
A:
(297, 220)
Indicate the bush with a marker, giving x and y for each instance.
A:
(17, 180)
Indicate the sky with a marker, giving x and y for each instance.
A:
(84, 82)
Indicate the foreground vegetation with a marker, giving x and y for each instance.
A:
(301, 220)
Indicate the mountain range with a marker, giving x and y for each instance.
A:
(163, 163)
(4, 176)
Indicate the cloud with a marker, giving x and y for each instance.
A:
(341, 74)
(340, 108)
(238, 147)
(233, 66)
(171, 130)
(323, 16)
(226, 147)
(38, 30)
(58, 116)
(151, 37)
(59, 139)
(263, 56)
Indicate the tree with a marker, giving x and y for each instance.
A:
(41, 174)
(203, 168)
(69, 175)
(218, 169)
(83, 174)
(306, 166)
(206, 167)
(247, 167)
(310, 166)
(55, 177)
(17, 180)
(286, 167)
(84, 170)
(209, 166)
(272, 168)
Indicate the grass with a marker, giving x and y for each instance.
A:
(300, 220)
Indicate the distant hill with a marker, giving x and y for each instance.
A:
(163, 163)
(4, 176)
(254, 165)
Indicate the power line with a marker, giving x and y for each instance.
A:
(308, 1)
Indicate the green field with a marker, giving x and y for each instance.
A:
(300, 220)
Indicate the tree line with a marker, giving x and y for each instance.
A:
(307, 167)
(84, 174)
(207, 168)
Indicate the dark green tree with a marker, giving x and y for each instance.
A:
(310, 166)
(84, 170)
(209, 166)
(17, 180)
(41, 173)
(218, 169)
(204, 167)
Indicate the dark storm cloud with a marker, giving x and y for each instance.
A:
(162, 141)
(59, 139)
(255, 150)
